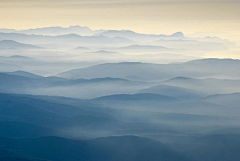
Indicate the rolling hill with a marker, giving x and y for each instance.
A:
(172, 91)
(10, 44)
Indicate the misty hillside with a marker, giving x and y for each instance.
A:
(24, 74)
(27, 83)
(189, 44)
(225, 99)
(137, 97)
(9, 44)
(9, 67)
(145, 48)
(182, 93)
(208, 85)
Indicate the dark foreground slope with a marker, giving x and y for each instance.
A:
(22, 116)
(127, 148)
(217, 147)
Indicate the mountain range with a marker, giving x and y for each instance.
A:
(53, 31)
(146, 71)
(78, 94)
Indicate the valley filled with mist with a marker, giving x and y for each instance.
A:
(77, 94)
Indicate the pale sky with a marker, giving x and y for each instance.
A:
(144, 16)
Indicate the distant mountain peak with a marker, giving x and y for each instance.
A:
(128, 31)
(104, 51)
(8, 41)
(77, 26)
(144, 46)
(214, 60)
(80, 47)
(120, 63)
(19, 56)
(178, 34)
(180, 78)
